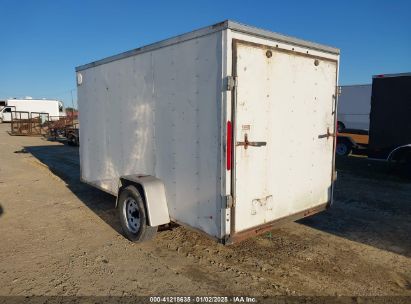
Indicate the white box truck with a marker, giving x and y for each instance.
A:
(228, 130)
(354, 105)
(54, 108)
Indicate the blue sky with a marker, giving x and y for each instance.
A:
(41, 42)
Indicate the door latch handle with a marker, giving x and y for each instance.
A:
(327, 135)
(247, 143)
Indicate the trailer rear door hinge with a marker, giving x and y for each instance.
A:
(229, 201)
(230, 83)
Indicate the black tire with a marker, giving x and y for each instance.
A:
(340, 126)
(133, 216)
(72, 140)
(343, 148)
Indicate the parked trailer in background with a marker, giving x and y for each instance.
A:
(54, 108)
(228, 129)
(390, 123)
(354, 105)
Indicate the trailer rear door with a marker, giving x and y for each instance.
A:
(285, 111)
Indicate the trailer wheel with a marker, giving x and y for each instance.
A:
(343, 148)
(72, 140)
(133, 216)
(340, 126)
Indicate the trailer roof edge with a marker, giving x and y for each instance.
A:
(236, 26)
(391, 75)
(227, 24)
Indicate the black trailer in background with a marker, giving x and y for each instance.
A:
(390, 117)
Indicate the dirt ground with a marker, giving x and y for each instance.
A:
(59, 236)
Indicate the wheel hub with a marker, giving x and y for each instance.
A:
(341, 149)
(132, 215)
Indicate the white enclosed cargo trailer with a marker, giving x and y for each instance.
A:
(228, 129)
(354, 106)
(54, 108)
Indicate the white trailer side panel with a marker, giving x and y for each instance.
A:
(158, 113)
(354, 106)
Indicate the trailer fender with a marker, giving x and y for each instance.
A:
(393, 155)
(154, 195)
